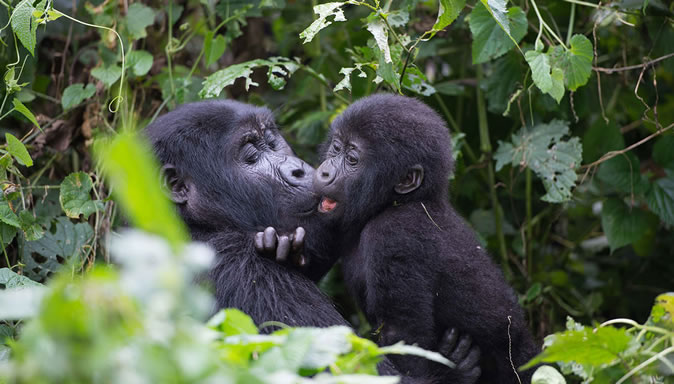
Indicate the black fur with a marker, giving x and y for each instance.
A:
(414, 265)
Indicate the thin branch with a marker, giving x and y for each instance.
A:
(632, 67)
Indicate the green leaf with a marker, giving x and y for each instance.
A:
(576, 62)
(660, 198)
(402, 349)
(623, 225)
(62, 245)
(548, 80)
(75, 196)
(30, 226)
(279, 66)
(133, 172)
(622, 173)
(323, 11)
(663, 152)
(19, 107)
(7, 232)
(140, 62)
(600, 139)
(8, 216)
(502, 82)
(24, 24)
(11, 280)
(547, 375)
(448, 12)
(16, 148)
(138, 18)
(214, 48)
(232, 322)
(587, 346)
(107, 75)
(75, 94)
(662, 312)
(497, 9)
(489, 39)
(541, 149)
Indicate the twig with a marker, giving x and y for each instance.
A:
(632, 67)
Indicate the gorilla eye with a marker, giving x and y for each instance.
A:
(250, 153)
(353, 160)
(336, 146)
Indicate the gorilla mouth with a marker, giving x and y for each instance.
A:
(327, 204)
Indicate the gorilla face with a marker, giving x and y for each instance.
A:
(245, 175)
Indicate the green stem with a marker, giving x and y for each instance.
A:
(529, 237)
(169, 43)
(455, 127)
(2, 106)
(546, 26)
(572, 18)
(485, 146)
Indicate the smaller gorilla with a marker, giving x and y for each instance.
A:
(411, 261)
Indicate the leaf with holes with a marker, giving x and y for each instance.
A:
(576, 62)
(11, 280)
(623, 225)
(24, 24)
(378, 30)
(541, 149)
(324, 11)
(63, 244)
(75, 94)
(490, 40)
(280, 67)
(75, 196)
(16, 148)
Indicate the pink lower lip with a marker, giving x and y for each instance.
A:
(327, 204)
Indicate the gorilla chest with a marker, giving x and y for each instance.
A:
(355, 268)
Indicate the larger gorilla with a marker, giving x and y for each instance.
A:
(411, 261)
(231, 174)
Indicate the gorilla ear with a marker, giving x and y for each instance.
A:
(175, 184)
(411, 181)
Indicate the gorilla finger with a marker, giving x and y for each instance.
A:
(270, 238)
(448, 342)
(283, 249)
(462, 349)
(298, 239)
(259, 243)
(303, 261)
(472, 359)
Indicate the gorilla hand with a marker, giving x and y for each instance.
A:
(282, 248)
(464, 354)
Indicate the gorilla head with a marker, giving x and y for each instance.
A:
(383, 149)
(243, 172)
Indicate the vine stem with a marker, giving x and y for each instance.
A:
(485, 146)
(546, 26)
(572, 18)
(119, 97)
(636, 369)
(529, 237)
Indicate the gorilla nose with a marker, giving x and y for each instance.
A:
(296, 172)
(325, 173)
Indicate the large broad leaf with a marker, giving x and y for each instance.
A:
(601, 138)
(489, 39)
(63, 245)
(16, 148)
(10, 280)
(622, 173)
(378, 29)
(576, 62)
(324, 11)
(232, 321)
(547, 375)
(623, 225)
(75, 196)
(506, 73)
(553, 160)
(661, 198)
(75, 94)
(548, 80)
(586, 346)
(138, 18)
(8, 216)
(30, 225)
(107, 75)
(663, 152)
(279, 68)
(24, 24)
(448, 12)
(140, 62)
(7, 233)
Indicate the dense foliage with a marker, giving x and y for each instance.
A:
(561, 114)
